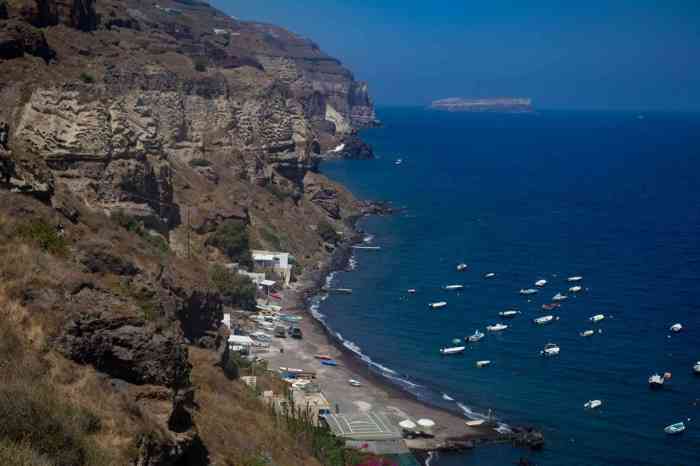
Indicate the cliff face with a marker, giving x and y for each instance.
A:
(182, 117)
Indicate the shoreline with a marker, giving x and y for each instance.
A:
(451, 433)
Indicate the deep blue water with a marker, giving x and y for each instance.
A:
(609, 196)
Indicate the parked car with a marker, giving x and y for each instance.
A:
(280, 331)
(295, 332)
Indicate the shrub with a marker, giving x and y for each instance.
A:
(231, 238)
(87, 78)
(237, 288)
(200, 64)
(43, 235)
(200, 163)
(134, 225)
(327, 232)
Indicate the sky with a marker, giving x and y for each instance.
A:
(564, 54)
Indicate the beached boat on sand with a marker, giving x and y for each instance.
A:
(329, 362)
(674, 429)
(323, 357)
(483, 363)
(437, 305)
(592, 404)
(550, 349)
(476, 336)
(496, 327)
(453, 350)
(354, 383)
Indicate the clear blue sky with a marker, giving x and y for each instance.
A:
(602, 54)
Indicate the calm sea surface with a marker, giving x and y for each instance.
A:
(613, 197)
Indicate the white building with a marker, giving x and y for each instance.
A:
(278, 262)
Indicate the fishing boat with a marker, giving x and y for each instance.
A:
(587, 333)
(476, 336)
(483, 363)
(453, 350)
(674, 429)
(696, 367)
(454, 287)
(528, 291)
(592, 404)
(489, 275)
(540, 283)
(675, 328)
(576, 278)
(398, 161)
(323, 357)
(509, 313)
(462, 267)
(657, 381)
(596, 318)
(559, 297)
(329, 362)
(550, 306)
(575, 289)
(354, 383)
(550, 349)
(411, 290)
(437, 305)
(544, 319)
(496, 327)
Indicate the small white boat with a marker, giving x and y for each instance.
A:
(398, 161)
(411, 290)
(509, 313)
(483, 363)
(437, 305)
(675, 328)
(462, 267)
(496, 327)
(674, 429)
(575, 289)
(454, 287)
(657, 381)
(550, 349)
(354, 383)
(592, 404)
(540, 283)
(576, 278)
(545, 319)
(559, 297)
(475, 422)
(528, 291)
(696, 367)
(596, 318)
(453, 350)
(587, 333)
(489, 275)
(476, 336)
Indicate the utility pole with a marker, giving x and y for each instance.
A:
(189, 228)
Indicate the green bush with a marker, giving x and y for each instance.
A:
(87, 78)
(231, 238)
(134, 225)
(328, 233)
(200, 163)
(239, 289)
(44, 235)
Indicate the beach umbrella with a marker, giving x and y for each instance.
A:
(407, 424)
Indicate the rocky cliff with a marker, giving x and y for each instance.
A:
(181, 117)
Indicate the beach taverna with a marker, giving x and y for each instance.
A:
(278, 262)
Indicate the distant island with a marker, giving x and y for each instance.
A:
(500, 104)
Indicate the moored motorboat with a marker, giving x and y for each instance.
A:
(675, 328)
(437, 305)
(452, 350)
(540, 283)
(596, 318)
(411, 290)
(398, 161)
(676, 428)
(544, 319)
(496, 327)
(476, 336)
(490, 275)
(509, 313)
(550, 306)
(576, 278)
(550, 349)
(587, 333)
(592, 404)
(657, 381)
(527, 291)
(462, 267)
(559, 297)
(575, 289)
(696, 367)
(354, 383)
(483, 363)
(454, 287)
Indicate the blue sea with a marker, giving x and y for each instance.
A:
(611, 196)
